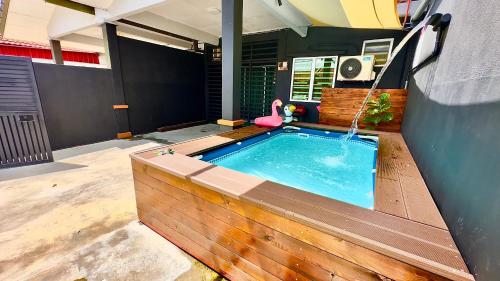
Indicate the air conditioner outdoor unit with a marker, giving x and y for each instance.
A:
(356, 68)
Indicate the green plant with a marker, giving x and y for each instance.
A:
(377, 111)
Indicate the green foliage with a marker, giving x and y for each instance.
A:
(376, 112)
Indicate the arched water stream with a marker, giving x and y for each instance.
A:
(354, 126)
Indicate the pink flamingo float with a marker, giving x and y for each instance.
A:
(271, 121)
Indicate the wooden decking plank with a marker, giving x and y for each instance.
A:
(228, 182)
(201, 144)
(386, 165)
(217, 232)
(178, 164)
(184, 228)
(287, 251)
(389, 197)
(197, 251)
(244, 132)
(352, 230)
(420, 205)
(379, 219)
(388, 193)
(359, 255)
(195, 146)
(418, 201)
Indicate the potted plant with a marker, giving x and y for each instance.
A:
(377, 111)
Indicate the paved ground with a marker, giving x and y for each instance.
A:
(76, 218)
(184, 134)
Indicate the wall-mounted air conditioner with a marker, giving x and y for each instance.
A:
(356, 68)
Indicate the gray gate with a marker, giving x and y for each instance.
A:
(23, 136)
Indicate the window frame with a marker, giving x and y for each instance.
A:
(311, 80)
(391, 45)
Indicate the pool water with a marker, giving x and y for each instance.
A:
(328, 166)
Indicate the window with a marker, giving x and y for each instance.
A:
(380, 48)
(310, 76)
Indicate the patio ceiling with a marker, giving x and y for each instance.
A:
(27, 20)
(37, 21)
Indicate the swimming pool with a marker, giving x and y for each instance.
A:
(315, 161)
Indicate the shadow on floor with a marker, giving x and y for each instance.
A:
(183, 134)
(89, 148)
(35, 170)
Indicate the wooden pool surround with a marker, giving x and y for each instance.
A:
(248, 228)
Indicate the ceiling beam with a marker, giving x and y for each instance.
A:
(66, 21)
(168, 25)
(3, 17)
(156, 30)
(73, 5)
(288, 14)
(83, 39)
(153, 37)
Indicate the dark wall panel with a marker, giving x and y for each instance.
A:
(452, 127)
(326, 41)
(23, 134)
(76, 103)
(163, 86)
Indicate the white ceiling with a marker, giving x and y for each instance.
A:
(95, 31)
(27, 20)
(202, 14)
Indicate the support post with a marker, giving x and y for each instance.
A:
(232, 14)
(112, 50)
(55, 48)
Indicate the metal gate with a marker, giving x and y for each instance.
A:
(258, 78)
(23, 136)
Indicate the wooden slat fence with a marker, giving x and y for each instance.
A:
(339, 105)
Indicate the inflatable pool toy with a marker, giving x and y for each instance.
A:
(289, 109)
(271, 121)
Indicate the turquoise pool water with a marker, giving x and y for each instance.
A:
(328, 166)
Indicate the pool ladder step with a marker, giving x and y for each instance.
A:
(291, 128)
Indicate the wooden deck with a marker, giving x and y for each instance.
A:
(253, 229)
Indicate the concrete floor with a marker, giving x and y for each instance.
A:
(76, 218)
(184, 134)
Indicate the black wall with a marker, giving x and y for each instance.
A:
(452, 127)
(163, 86)
(325, 41)
(76, 103)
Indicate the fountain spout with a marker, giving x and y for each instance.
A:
(354, 126)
